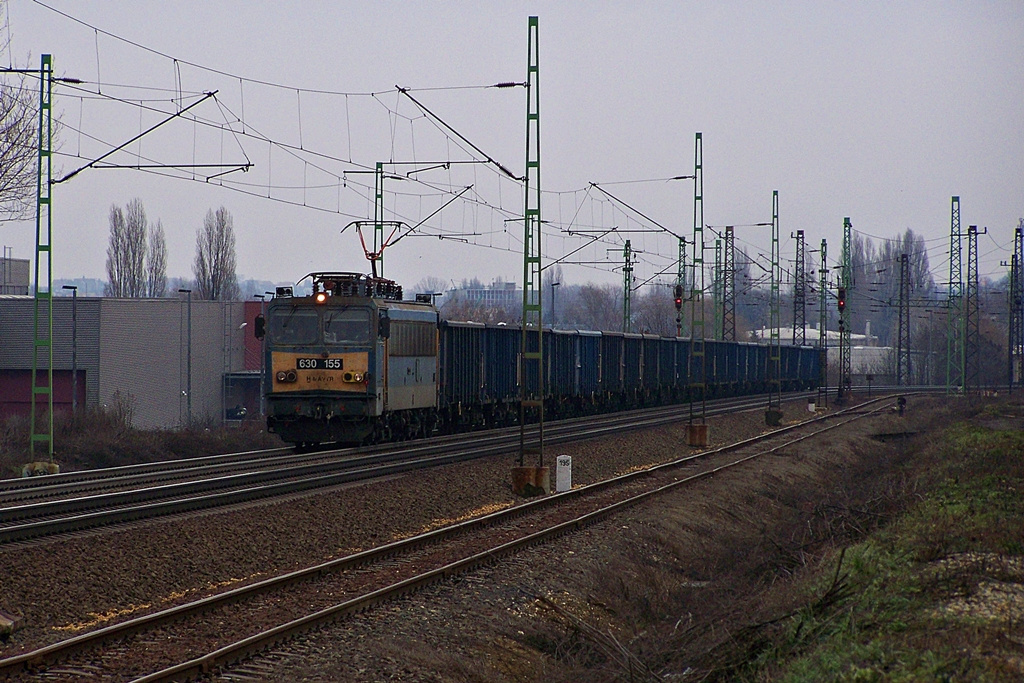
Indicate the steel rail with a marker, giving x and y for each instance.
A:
(256, 643)
(56, 651)
(64, 516)
(9, 486)
(72, 483)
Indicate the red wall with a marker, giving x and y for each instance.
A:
(15, 392)
(253, 346)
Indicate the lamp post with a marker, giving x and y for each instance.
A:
(554, 318)
(188, 381)
(74, 347)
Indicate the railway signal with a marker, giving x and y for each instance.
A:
(841, 299)
(679, 297)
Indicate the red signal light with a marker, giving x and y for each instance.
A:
(841, 299)
(679, 297)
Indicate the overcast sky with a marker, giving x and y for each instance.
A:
(875, 110)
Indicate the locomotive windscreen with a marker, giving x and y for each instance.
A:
(347, 326)
(293, 326)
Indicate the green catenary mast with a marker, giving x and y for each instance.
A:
(799, 293)
(627, 288)
(697, 378)
(903, 373)
(823, 326)
(377, 262)
(42, 346)
(531, 349)
(845, 283)
(954, 305)
(716, 290)
(1016, 309)
(729, 285)
(680, 283)
(972, 315)
(774, 350)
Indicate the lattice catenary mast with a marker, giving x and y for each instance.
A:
(845, 283)
(42, 344)
(697, 378)
(680, 284)
(799, 293)
(716, 290)
(823, 326)
(903, 328)
(377, 262)
(729, 286)
(1016, 350)
(972, 315)
(954, 306)
(531, 367)
(774, 347)
(627, 287)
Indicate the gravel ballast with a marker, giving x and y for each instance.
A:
(60, 587)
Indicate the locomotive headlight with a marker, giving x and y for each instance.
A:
(358, 377)
(321, 297)
(282, 376)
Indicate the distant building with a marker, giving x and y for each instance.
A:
(87, 286)
(497, 295)
(14, 276)
(812, 336)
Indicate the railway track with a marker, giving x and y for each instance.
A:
(187, 640)
(90, 500)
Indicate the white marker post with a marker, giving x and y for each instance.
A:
(563, 473)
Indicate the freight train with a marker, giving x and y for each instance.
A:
(354, 363)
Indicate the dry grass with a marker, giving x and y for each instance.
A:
(855, 558)
(106, 438)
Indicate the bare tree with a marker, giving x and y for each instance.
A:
(115, 252)
(136, 227)
(176, 283)
(596, 307)
(126, 250)
(214, 266)
(18, 148)
(654, 310)
(431, 285)
(156, 263)
(19, 142)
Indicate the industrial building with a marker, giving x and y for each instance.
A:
(137, 351)
(14, 274)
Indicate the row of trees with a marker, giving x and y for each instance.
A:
(137, 256)
(874, 297)
(133, 270)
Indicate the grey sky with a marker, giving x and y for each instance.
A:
(875, 110)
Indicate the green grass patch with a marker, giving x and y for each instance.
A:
(936, 596)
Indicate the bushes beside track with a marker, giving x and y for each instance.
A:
(105, 438)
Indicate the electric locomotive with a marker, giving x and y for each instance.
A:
(351, 363)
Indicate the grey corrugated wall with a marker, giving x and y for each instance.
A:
(137, 348)
(17, 328)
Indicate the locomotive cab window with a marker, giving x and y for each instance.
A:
(292, 326)
(347, 326)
